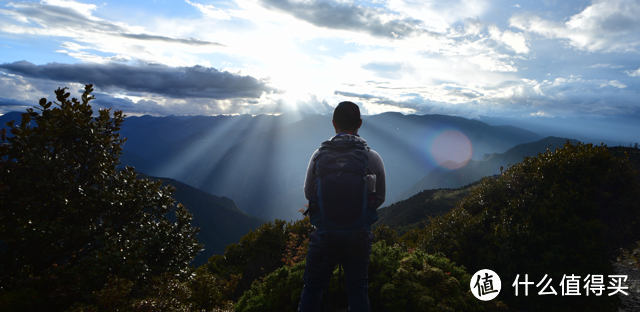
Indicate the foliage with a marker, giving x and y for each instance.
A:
(398, 281)
(296, 251)
(563, 212)
(200, 292)
(70, 220)
(261, 252)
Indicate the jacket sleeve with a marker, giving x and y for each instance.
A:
(377, 167)
(310, 178)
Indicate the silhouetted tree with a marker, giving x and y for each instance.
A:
(70, 220)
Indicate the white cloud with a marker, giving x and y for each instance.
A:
(82, 8)
(211, 11)
(617, 84)
(515, 41)
(605, 65)
(633, 73)
(606, 26)
(493, 62)
(438, 16)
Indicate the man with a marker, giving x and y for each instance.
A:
(343, 229)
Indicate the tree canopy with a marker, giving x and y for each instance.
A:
(567, 211)
(70, 219)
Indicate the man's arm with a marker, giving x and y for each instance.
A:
(377, 167)
(310, 178)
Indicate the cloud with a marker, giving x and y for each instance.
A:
(74, 20)
(19, 92)
(186, 41)
(59, 18)
(605, 65)
(633, 73)
(514, 41)
(346, 16)
(312, 105)
(560, 97)
(175, 82)
(605, 26)
(13, 102)
(211, 11)
(440, 16)
(493, 61)
(617, 84)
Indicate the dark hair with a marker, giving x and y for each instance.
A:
(347, 116)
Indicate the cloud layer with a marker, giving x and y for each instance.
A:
(175, 82)
(606, 26)
(460, 57)
(348, 16)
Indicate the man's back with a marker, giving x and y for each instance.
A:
(350, 242)
(375, 166)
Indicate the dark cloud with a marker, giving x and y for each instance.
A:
(355, 95)
(189, 41)
(344, 16)
(418, 104)
(176, 82)
(65, 19)
(61, 17)
(13, 102)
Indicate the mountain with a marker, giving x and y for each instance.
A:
(182, 147)
(442, 177)
(220, 221)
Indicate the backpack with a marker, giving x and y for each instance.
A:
(342, 194)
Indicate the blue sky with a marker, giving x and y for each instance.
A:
(470, 58)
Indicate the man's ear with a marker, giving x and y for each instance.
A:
(360, 124)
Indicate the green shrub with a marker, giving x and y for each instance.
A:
(398, 281)
(261, 252)
(69, 219)
(563, 212)
(200, 292)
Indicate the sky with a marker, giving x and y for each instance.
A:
(520, 60)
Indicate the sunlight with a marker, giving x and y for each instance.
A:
(196, 149)
(291, 97)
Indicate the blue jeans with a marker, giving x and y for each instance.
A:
(322, 259)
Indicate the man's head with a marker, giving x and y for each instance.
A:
(346, 117)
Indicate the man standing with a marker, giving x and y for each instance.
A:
(345, 184)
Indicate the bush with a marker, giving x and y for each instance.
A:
(69, 219)
(563, 212)
(261, 252)
(200, 292)
(398, 281)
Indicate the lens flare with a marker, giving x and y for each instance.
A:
(451, 149)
